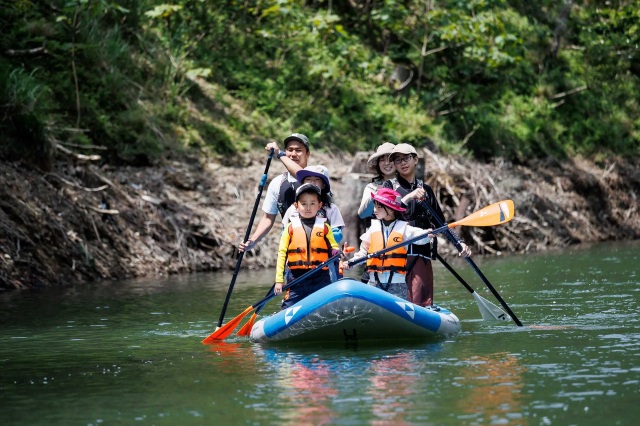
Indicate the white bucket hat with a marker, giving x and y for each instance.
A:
(384, 149)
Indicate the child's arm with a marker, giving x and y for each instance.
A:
(285, 238)
(364, 250)
(329, 236)
(337, 222)
(412, 232)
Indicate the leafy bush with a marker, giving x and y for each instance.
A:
(485, 77)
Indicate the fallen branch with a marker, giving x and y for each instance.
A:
(80, 157)
(104, 211)
(75, 185)
(75, 145)
(112, 185)
(26, 52)
(569, 92)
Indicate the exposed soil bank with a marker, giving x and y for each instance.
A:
(84, 223)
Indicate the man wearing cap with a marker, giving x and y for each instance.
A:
(281, 190)
(415, 193)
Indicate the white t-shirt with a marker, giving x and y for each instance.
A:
(333, 216)
(270, 204)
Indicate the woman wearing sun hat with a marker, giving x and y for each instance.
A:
(382, 167)
(387, 229)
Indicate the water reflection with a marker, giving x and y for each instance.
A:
(303, 384)
(392, 383)
(495, 383)
(231, 358)
(313, 386)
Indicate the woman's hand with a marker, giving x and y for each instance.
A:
(277, 289)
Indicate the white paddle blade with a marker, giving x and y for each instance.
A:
(489, 311)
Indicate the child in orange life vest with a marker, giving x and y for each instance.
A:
(306, 242)
(387, 229)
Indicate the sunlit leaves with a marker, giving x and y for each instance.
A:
(163, 11)
(198, 72)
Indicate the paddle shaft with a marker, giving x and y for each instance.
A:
(263, 181)
(442, 228)
(457, 245)
(455, 274)
(259, 308)
(271, 294)
(388, 249)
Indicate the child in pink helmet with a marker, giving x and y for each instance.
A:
(389, 228)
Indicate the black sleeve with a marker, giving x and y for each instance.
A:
(430, 197)
(435, 206)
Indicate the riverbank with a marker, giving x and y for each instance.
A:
(82, 222)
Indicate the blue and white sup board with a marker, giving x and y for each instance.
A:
(349, 310)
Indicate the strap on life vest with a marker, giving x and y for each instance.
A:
(394, 261)
(305, 253)
(287, 193)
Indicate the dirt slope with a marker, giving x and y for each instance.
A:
(82, 222)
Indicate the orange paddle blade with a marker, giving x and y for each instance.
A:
(227, 329)
(493, 214)
(246, 329)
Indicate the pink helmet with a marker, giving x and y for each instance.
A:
(389, 198)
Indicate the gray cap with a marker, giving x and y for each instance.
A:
(297, 137)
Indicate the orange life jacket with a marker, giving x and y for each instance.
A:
(307, 254)
(394, 260)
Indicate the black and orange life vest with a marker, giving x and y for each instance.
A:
(393, 261)
(306, 253)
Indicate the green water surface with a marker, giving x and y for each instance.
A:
(130, 353)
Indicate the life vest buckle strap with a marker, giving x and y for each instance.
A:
(297, 250)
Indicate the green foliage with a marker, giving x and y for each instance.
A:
(25, 117)
(484, 77)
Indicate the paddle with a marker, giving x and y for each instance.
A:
(500, 208)
(246, 329)
(494, 214)
(263, 180)
(222, 332)
(488, 310)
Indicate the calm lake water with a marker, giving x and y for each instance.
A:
(130, 353)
